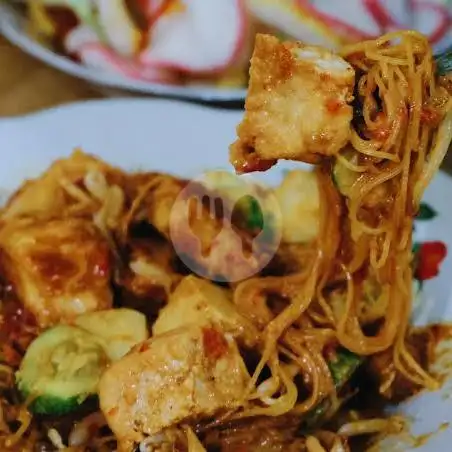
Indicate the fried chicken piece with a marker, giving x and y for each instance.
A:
(183, 375)
(59, 268)
(297, 106)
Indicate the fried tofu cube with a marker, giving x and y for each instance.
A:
(47, 196)
(297, 106)
(299, 200)
(180, 376)
(196, 300)
(59, 268)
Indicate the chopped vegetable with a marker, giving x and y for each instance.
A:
(60, 370)
(428, 259)
(444, 62)
(254, 217)
(426, 212)
(343, 177)
(343, 366)
(117, 329)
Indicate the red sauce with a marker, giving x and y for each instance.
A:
(430, 116)
(253, 164)
(383, 130)
(17, 330)
(100, 263)
(144, 347)
(241, 448)
(137, 11)
(441, 332)
(54, 268)
(333, 105)
(330, 352)
(214, 343)
(113, 411)
(57, 268)
(64, 21)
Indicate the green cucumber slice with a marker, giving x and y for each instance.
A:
(60, 370)
(118, 329)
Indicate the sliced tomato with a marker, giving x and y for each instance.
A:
(430, 257)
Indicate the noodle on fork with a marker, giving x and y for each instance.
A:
(395, 147)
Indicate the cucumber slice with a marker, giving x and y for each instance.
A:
(444, 62)
(61, 369)
(343, 178)
(343, 366)
(118, 329)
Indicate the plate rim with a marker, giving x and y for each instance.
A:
(12, 31)
(132, 102)
(127, 102)
(122, 102)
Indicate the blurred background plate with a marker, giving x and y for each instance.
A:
(13, 27)
(194, 49)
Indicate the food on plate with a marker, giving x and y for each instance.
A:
(110, 340)
(196, 300)
(193, 42)
(118, 330)
(60, 369)
(371, 184)
(298, 197)
(60, 268)
(291, 81)
(191, 372)
(288, 83)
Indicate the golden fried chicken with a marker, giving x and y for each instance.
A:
(297, 106)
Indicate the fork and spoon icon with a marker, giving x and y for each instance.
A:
(206, 237)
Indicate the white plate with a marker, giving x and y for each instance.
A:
(186, 139)
(12, 26)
